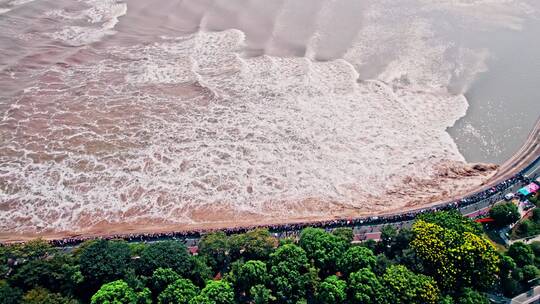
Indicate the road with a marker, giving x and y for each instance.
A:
(373, 232)
(531, 296)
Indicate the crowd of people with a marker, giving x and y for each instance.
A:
(283, 230)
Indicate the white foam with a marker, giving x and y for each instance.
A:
(103, 13)
(80, 35)
(289, 128)
(157, 130)
(19, 2)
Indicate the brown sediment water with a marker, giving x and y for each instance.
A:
(528, 153)
(122, 117)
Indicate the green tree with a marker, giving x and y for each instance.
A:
(200, 271)
(166, 254)
(345, 234)
(371, 244)
(43, 296)
(356, 258)
(137, 248)
(104, 261)
(215, 248)
(289, 273)
(455, 260)
(57, 274)
(257, 244)
(365, 288)
(200, 299)
(332, 291)
(118, 292)
(322, 248)
(470, 296)
(409, 259)
(452, 220)
(261, 295)
(510, 286)
(144, 296)
(34, 249)
(249, 274)
(21, 253)
(388, 237)
(8, 294)
(382, 263)
(504, 214)
(535, 247)
(393, 242)
(404, 286)
(161, 278)
(446, 300)
(218, 292)
(180, 292)
(530, 273)
(135, 281)
(402, 241)
(536, 215)
(521, 253)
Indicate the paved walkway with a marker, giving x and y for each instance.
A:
(531, 296)
(373, 232)
(527, 240)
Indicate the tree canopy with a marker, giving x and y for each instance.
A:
(257, 244)
(104, 261)
(365, 288)
(455, 260)
(404, 286)
(181, 291)
(504, 214)
(166, 254)
(332, 291)
(217, 292)
(452, 220)
(215, 248)
(118, 292)
(322, 248)
(356, 258)
(442, 260)
(521, 253)
(289, 273)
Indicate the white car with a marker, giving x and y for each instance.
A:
(509, 196)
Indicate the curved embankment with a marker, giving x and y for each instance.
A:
(527, 154)
(523, 158)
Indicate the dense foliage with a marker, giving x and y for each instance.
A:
(504, 214)
(529, 226)
(443, 258)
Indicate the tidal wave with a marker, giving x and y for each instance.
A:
(214, 116)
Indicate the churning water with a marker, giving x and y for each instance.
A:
(205, 111)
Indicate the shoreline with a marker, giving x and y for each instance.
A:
(529, 153)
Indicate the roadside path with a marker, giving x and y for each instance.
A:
(531, 296)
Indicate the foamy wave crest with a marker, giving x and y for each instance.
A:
(190, 129)
(20, 2)
(195, 126)
(104, 13)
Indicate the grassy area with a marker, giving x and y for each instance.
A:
(495, 239)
